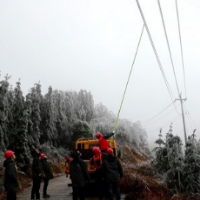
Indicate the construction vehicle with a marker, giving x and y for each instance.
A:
(85, 146)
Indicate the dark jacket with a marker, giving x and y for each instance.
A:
(78, 173)
(112, 169)
(11, 183)
(36, 168)
(46, 168)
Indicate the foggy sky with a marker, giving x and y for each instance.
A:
(90, 44)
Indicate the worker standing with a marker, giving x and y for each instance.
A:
(79, 175)
(103, 143)
(36, 174)
(112, 171)
(97, 162)
(47, 174)
(11, 183)
(67, 162)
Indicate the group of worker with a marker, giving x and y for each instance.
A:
(40, 170)
(108, 171)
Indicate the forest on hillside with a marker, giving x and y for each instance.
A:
(56, 119)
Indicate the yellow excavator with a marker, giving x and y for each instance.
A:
(85, 146)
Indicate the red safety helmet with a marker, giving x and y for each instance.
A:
(8, 154)
(42, 155)
(98, 135)
(95, 150)
(67, 158)
(109, 151)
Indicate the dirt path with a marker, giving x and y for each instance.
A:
(58, 189)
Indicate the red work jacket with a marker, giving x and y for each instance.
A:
(103, 143)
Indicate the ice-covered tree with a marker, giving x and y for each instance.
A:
(4, 86)
(174, 176)
(161, 158)
(80, 129)
(86, 105)
(28, 109)
(60, 118)
(35, 97)
(10, 120)
(18, 137)
(123, 131)
(47, 125)
(192, 165)
(160, 141)
(139, 133)
(103, 120)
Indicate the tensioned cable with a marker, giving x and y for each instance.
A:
(189, 116)
(179, 30)
(116, 121)
(163, 22)
(158, 113)
(173, 120)
(164, 115)
(188, 120)
(166, 124)
(155, 51)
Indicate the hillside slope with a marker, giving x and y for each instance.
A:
(140, 181)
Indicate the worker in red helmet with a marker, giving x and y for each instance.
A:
(97, 160)
(103, 143)
(68, 159)
(37, 173)
(11, 182)
(47, 174)
(67, 163)
(112, 171)
(78, 175)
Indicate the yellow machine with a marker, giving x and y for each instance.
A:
(84, 146)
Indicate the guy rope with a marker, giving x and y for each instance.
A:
(116, 120)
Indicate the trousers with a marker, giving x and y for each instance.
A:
(11, 196)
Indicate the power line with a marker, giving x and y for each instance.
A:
(163, 22)
(179, 30)
(167, 124)
(156, 54)
(173, 120)
(155, 51)
(158, 113)
(187, 112)
(189, 120)
(165, 114)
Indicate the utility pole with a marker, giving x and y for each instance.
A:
(183, 116)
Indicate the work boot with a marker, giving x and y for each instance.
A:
(46, 196)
